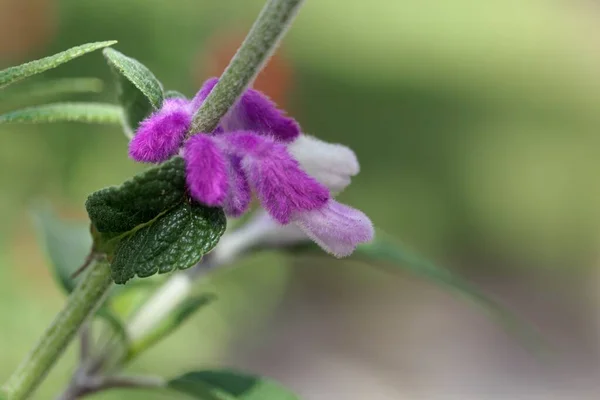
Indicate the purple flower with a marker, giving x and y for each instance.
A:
(255, 112)
(159, 136)
(248, 152)
(336, 227)
(282, 187)
(206, 170)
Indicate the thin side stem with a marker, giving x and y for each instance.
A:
(91, 385)
(273, 21)
(84, 299)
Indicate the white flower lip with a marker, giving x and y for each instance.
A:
(331, 164)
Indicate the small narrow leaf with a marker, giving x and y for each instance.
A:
(52, 88)
(170, 324)
(140, 93)
(229, 385)
(116, 324)
(139, 200)
(16, 73)
(394, 255)
(127, 300)
(66, 112)
(175, 240)
(67, 244)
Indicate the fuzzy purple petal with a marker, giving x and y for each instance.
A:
(159, 136)
(239, 194)
(256, 112)
(203, 93)
(337, 228)
(206, 170)
(282, 187)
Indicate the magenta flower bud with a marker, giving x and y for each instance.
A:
(257, 148)
(206, 170)
(160, 136)
(282, 187)
(239, 194)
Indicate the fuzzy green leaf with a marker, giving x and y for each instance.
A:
(140, 93)
(97, 113)
(67, 244)
(51, 88)
(13, 74)
(149, 225)
(229, 385)
(170, 324)
(139, 200)
(175, 240)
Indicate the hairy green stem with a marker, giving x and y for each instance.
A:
(84, 299)
(274, 19)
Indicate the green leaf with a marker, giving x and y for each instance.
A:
(114, 322)
(229, 385)
(170, 324)
(140, 93)
(175, 240)
(139, 200)
(66, 112)
(149, 225)
(396, 256)
(67, 244)
(13, 74)
(127, 300)
(55, 87)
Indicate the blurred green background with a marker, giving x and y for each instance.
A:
(476, 125)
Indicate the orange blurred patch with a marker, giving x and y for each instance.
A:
(25, 26)
(275, 79)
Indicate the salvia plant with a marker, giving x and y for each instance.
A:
(210, 156)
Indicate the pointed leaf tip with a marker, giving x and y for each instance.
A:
(66, 244)
(229, 385)
(139, 91)
(14, 74)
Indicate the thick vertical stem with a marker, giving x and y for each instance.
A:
(84, 299)
(274, 19)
